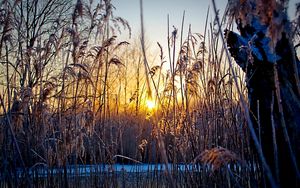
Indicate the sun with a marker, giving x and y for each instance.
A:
(150, 104)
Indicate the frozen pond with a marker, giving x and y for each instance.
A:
(133, 175)
(87, 170)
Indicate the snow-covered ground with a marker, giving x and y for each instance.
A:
(87, 170)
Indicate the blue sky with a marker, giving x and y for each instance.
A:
(155, 16)
(156, 11)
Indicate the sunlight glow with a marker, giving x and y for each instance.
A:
(150, 104)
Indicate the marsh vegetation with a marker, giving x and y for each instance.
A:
(77, 104)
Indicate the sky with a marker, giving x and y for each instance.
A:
(155, 16)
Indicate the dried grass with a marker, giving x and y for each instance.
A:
(217, 157)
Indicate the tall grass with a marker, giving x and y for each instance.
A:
(72, 94)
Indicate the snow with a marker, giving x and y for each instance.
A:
(265, 43)
(249, 42)
(87, 170)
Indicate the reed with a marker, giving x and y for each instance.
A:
(74, 102)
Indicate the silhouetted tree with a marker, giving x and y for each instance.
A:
(264, 50)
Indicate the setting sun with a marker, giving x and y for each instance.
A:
(150, 104)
